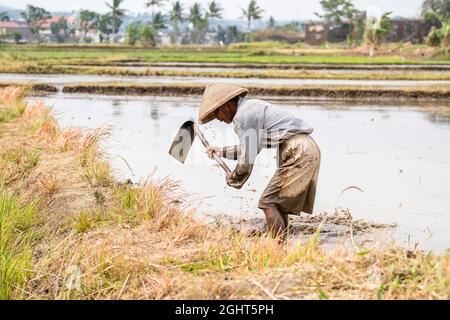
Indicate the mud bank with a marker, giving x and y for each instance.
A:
(238, 73)
(35, 88)
(425, 94)
(436, 93)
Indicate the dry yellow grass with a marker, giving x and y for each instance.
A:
(95, 238)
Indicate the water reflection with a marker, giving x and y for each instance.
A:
(117, 107)
(440, 117)
(154, 111)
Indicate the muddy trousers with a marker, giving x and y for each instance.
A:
(292, 189)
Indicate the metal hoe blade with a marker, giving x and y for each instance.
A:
(183, 141)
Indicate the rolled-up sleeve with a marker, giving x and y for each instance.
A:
(230, 152)
(248, 132)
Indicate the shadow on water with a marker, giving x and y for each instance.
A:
(117, 107)
(439, 117)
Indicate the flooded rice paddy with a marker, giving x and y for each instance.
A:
(61, 80)
(399, 157)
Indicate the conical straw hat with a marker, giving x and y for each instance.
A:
(215, 96)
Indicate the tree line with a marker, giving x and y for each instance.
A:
(146, 33)
(371, 29)
(196, 21)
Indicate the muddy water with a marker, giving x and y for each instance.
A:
(399, 157)
(59, 79)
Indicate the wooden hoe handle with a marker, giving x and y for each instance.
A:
(202, 138)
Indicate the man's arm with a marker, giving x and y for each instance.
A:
(247, 150)
(239, 176)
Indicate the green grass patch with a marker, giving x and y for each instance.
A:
(18, 162)
(16, 245)
(15, 111)
(238, 53)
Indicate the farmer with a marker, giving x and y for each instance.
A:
(258, 125)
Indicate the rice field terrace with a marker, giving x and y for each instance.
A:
(265, 61)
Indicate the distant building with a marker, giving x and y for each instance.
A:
(408, 30)
(46, 33)
(8, 29)
(316, 33)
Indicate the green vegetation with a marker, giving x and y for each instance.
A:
(33, 17)
(116, 15)
(251, 13)
(235, 54)
(376, 27)
(17, 238)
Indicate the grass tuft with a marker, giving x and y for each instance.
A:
(50, 185)
(16, 240)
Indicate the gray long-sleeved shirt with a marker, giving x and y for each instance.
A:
(259, 124)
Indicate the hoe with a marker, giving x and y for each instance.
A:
(185, 138)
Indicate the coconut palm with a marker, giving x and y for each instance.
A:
(198, 21)
(154, 4)
(159, 21)
(214, 10)
(176, 16)
(116, 13)
(445, 34)
(195, 14)
(253, 12)
(88, 21)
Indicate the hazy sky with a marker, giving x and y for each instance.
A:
(279, 9)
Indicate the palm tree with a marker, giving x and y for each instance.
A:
(253, 12)
(214, 10)
(195, 14)
(159, 21)
(154, 4)
(116, 14)
(176, 16)
(198, 22)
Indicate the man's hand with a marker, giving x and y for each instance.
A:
(211, 151)
(229, 178)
